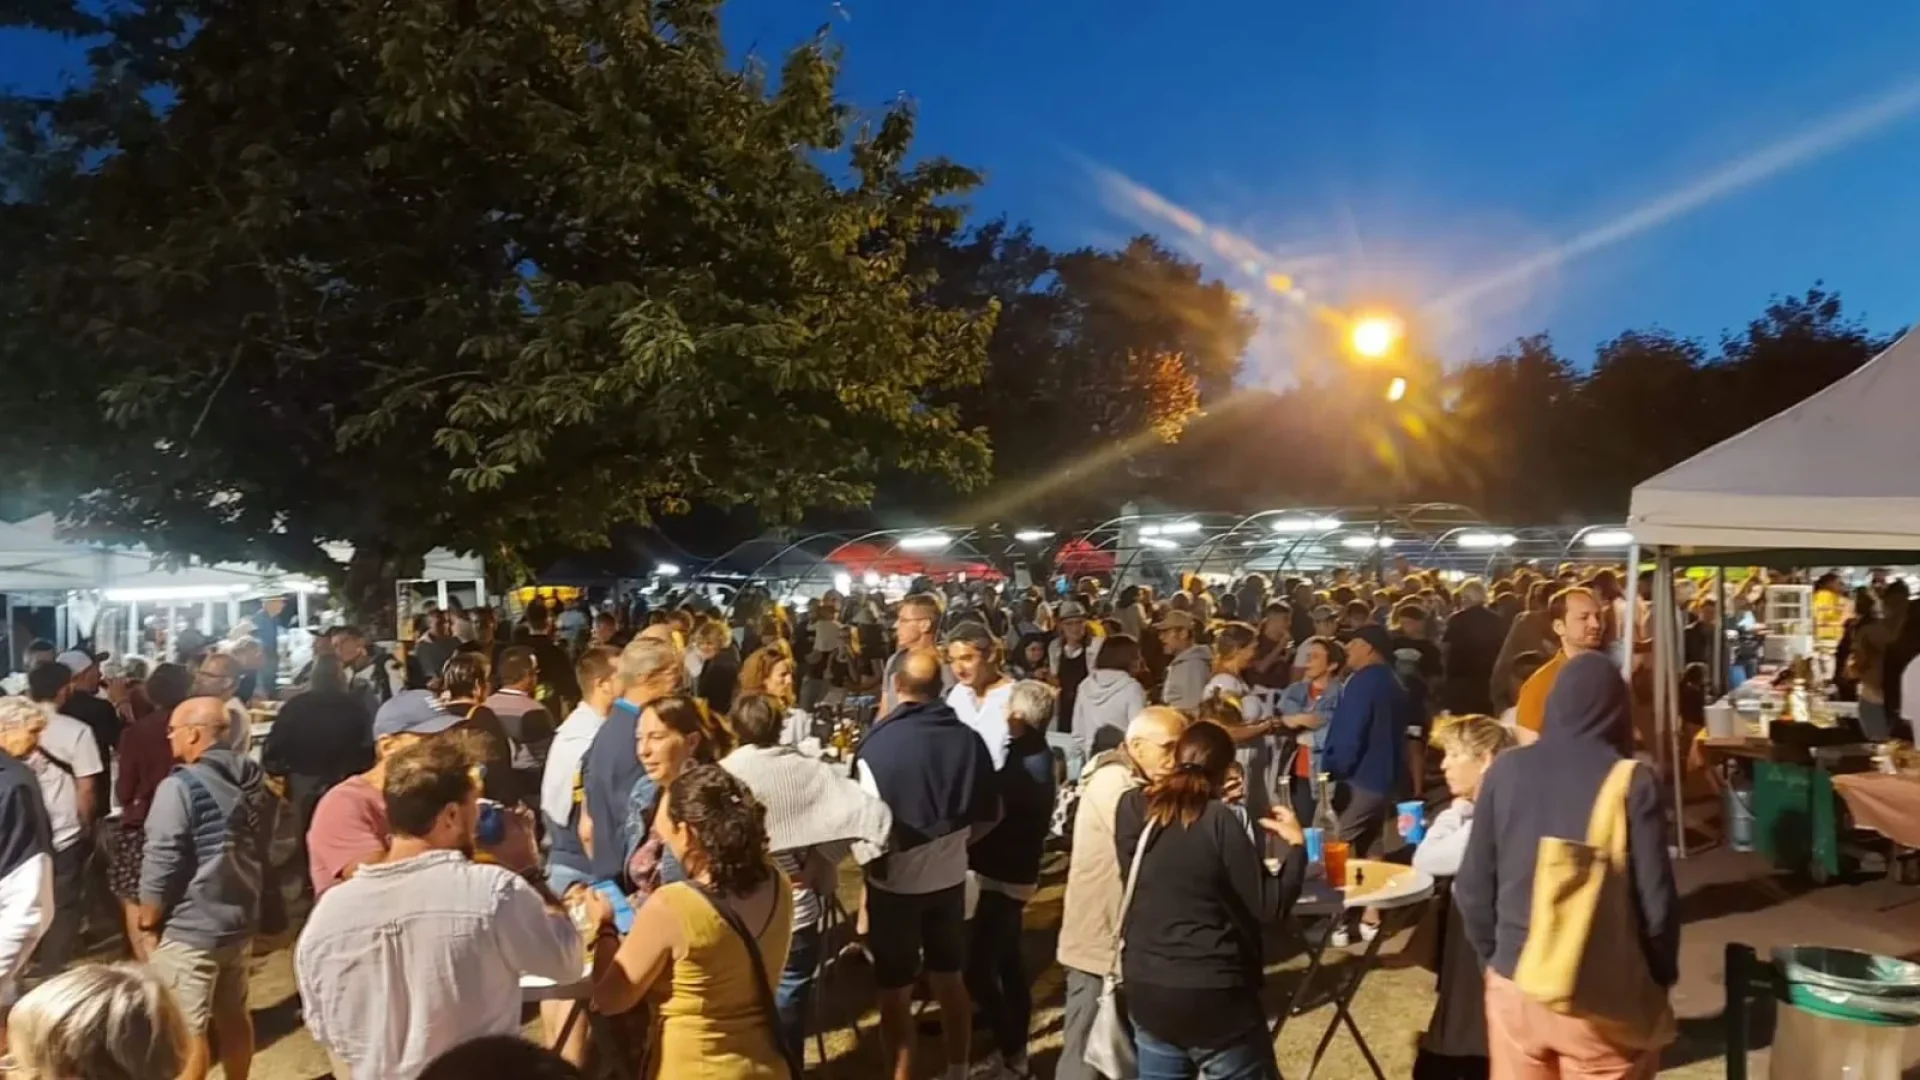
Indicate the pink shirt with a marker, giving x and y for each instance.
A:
(349, 825)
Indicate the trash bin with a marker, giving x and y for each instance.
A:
(1840, 1013)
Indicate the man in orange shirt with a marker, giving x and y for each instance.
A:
(1576, 619)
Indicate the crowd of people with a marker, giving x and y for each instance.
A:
(642, 811)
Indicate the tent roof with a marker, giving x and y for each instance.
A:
(1838, 471)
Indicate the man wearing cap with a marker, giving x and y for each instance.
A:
(1190, 666)
(1070, 658)
(72, 775)
(208, 830)
(85, 703)
(1365, 748)
(349, 828)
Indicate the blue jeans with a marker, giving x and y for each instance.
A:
(791, 997)
(1248, 1058)
(996, 978)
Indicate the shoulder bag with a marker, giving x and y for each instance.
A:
(1583, 910)
(1110, 1040)
(761, 984)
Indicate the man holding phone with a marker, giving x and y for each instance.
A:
(425, 950)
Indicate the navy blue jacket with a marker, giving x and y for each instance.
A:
(1366, 743)
(1011, 852)
(933, 772)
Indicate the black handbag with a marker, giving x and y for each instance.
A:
(760, 983)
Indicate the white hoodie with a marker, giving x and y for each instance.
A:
(1107, 699)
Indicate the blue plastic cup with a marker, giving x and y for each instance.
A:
(1413, 820)
(1316, 845)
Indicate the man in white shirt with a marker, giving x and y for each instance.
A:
(68, 767)
(561, 795)
(980, 694)
(26, 846)
(422, 952)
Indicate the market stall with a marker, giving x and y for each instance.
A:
(1828, 482)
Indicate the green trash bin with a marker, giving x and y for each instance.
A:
(1839, 1012)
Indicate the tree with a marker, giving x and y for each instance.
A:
(1097, 359)
(408, 273)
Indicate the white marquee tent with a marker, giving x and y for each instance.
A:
(1840, 471)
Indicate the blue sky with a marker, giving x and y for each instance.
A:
(1396, 151)
(1399, 152)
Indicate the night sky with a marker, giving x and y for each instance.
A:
(1687, 160)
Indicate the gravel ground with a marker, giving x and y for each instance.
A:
(1392, 1008)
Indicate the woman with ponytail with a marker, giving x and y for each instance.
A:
(1192, 959)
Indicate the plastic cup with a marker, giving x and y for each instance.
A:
(1316, 845)
(1336, 854)
(1412, 820)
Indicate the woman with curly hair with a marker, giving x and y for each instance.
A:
(718, 939)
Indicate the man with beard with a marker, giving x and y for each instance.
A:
(424, 951)
(1577, 622)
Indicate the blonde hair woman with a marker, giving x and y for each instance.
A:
(100, 1022)
(1455, 1042)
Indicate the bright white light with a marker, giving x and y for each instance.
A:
(152, 593)
(1305, 525)
(1180, 528)
(843, 583)
(1374, 336)
(1360, 542)
(1482, 541)
(1396, 389)
(666, 569)
(1149, 530)
(1159, 543)
(302, 585)
(926, 542)
(1032, 536)
(870, 579)
(1607, 538)
(1453, 575)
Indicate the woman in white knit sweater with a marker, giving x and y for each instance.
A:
(814, 814)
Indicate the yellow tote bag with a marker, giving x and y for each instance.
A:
(1583, 913)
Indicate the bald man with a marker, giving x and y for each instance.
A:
(936, 776)
(200, 882)
(1094, 881)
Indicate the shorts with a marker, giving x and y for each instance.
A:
(911, 932)
(204, 981)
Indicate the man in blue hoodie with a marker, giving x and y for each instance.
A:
(207, 834)
(1366, 742)
(936, 776)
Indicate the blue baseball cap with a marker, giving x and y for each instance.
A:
(412, 712)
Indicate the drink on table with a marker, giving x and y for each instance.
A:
(1334, 853)
(1327, 824)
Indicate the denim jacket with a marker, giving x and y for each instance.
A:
(1293, 702)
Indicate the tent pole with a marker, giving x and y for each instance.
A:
(133, 628)
(1720, 633)
(1669, 617)
(1632, 585)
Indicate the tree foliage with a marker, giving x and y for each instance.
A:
(1527, 435)
(1097, 359)
(409, 273)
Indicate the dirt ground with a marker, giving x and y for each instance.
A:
(1726, 898)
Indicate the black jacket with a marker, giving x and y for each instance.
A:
(1472, 642)
(1548, 789)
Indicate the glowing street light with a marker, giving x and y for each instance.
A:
(1305, 524)
(932, 541)
(1032, 536)
(1482, 541)
(1608, 538)
(1396, 389)
(1375, 336)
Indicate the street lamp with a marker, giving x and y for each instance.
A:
(1375, 336)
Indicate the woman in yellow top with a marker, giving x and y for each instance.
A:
(714, 1019)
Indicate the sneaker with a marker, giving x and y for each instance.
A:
(1341, 937)
(1369, 931)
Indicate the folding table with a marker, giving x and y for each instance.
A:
(1399, 904)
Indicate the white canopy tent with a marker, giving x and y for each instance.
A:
(1838, 473)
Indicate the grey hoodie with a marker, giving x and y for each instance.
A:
(207, 836)
(1107, 702)
(1186, 685)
